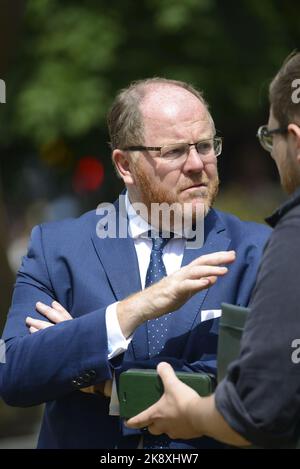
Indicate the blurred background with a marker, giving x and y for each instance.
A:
(63, 62)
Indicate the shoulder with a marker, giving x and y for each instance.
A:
(65, 235)
(286, 232)
(255, 233)
(291, 217)
(71, 226)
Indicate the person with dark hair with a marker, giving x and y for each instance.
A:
(92, 297)
(258, 402)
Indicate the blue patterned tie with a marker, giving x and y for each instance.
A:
(157, 328)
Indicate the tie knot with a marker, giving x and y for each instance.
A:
(159, 243)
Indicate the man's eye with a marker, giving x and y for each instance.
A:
(173, 152)
(204, 147)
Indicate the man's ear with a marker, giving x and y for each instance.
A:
(294, 129)
(123, 164)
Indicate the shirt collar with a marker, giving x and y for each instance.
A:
(137, 225)
(292, 201)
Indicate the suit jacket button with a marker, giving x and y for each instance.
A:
(87, 378)
(80, 381)
(74, 383)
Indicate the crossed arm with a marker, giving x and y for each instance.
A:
(56, 313)
(167, 295)
(181, 412)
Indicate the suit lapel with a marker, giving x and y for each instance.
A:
(215, 240)
(119, 260)
(117, 254)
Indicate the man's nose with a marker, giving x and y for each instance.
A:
(193, 161)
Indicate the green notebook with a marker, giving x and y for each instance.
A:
(139, 389)
(231, 327)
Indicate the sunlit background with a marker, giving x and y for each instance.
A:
(63, 61)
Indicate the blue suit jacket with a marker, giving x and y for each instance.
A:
(66, 261)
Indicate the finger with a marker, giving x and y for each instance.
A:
(50, 313)
(167, 374)
(95, 389)
(194, 285)
(216, 258)
(211, 280)
(88, 390)
(58, 307)
(33, 329)
(37, 323)
(199, 271)
(107, 388)
(154, 429)
(144, 419)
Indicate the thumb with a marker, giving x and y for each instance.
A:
(167, 375)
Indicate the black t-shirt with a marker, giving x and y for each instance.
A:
(260, 397)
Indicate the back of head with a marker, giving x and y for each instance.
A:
(283, 91)
(124, 120)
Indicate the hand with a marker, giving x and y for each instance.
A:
(176, 289)
(172, 414)
(172, 291)
(104, 388)
(56, 314)
(182, 413)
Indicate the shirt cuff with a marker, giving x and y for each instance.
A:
(116, 341)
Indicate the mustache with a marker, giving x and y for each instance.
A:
(195, 183)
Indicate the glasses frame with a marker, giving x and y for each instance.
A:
(144, 148)
(263, 131)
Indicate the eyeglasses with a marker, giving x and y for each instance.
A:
(208, 149)
(265, 136)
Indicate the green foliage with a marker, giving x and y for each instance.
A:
(64, 92)
(75, 54)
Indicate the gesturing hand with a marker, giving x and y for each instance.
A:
(172, 291)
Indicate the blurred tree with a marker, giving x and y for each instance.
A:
(10, 21)
(75, 54)
(6, 275)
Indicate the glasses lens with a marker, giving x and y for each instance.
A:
(210, 148)
(205, 147)
(173, 152)
(218, 145)
(265, 138)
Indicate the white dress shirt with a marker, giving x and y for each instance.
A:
(172, 257)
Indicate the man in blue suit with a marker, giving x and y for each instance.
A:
(91, 288)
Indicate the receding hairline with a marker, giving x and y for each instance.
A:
(152, 88)
(125, 119)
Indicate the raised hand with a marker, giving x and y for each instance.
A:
(172, 291)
